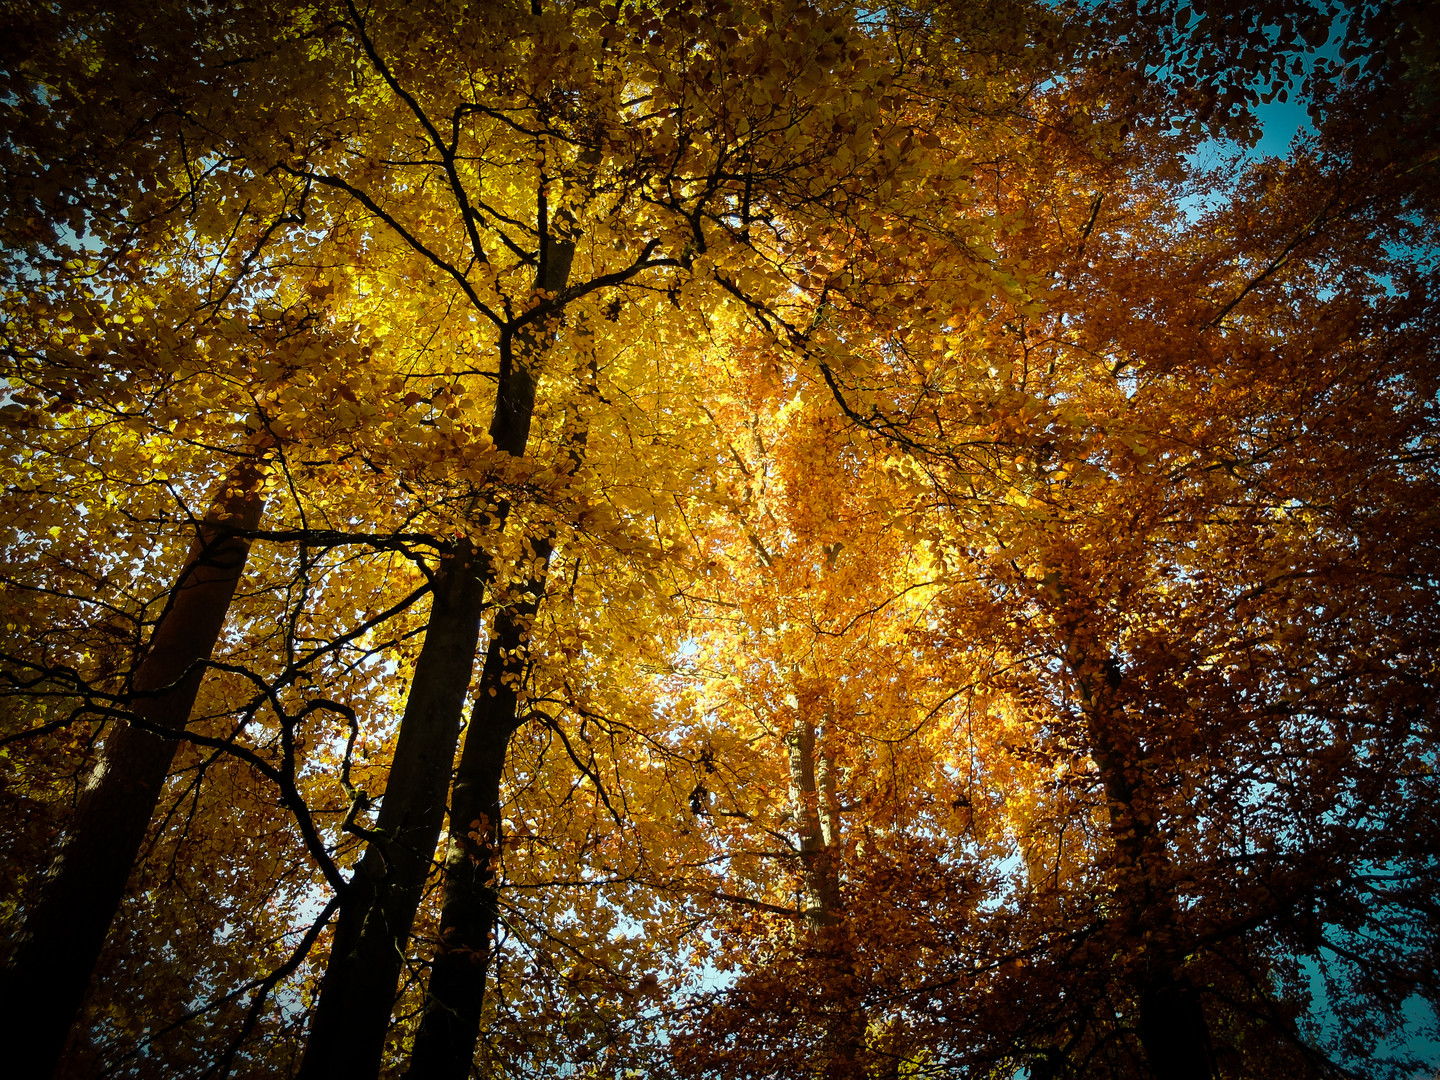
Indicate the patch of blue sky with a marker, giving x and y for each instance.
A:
(1281, 123)
(1415, 1037)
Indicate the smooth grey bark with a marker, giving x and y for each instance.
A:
(814, 824)
(43, 987)
(817, 822)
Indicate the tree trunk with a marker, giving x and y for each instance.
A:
(357, 993)
(45, 983)
(347, 1034)
(821, 892)
(1173, 1031)
(450, 1027)
(1171, 1022)
(455, 994)
(817, 820)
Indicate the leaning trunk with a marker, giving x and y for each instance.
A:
(450, 1027)
(45, 983)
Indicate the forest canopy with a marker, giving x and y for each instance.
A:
(714, 538)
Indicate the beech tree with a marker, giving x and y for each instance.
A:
(47, 978)
(799, 539)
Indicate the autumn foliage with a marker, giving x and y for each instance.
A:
(719, 539)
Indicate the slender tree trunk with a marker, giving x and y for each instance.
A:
(817, 819)
(347, 1034)
(444, 1045)
(450, 1027)
(817, 870)
(357, 993)
(45, 983)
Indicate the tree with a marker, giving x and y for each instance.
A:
(885, 507)
(47, 976)
(1000, 511)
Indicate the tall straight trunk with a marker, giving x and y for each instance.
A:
(817, 820)
(44, 985)
(1171, 1022)
(819, 878)
(377, 911)
(449, 1029)
(450, 1026)
(347, 1033)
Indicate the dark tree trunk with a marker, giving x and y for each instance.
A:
(44, 985)
(450, 1027)
(1174, 1033)
(455, 994)
(347, 1034)
(1171, 1022)
(357, 993)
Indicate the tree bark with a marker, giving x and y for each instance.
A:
(357, 993)
(817, 869)
(455, 993)
(1173, 1031)
(1171, 1022)
(450, 1027)
(347, 1034)
(817, 820)
(44, 985)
